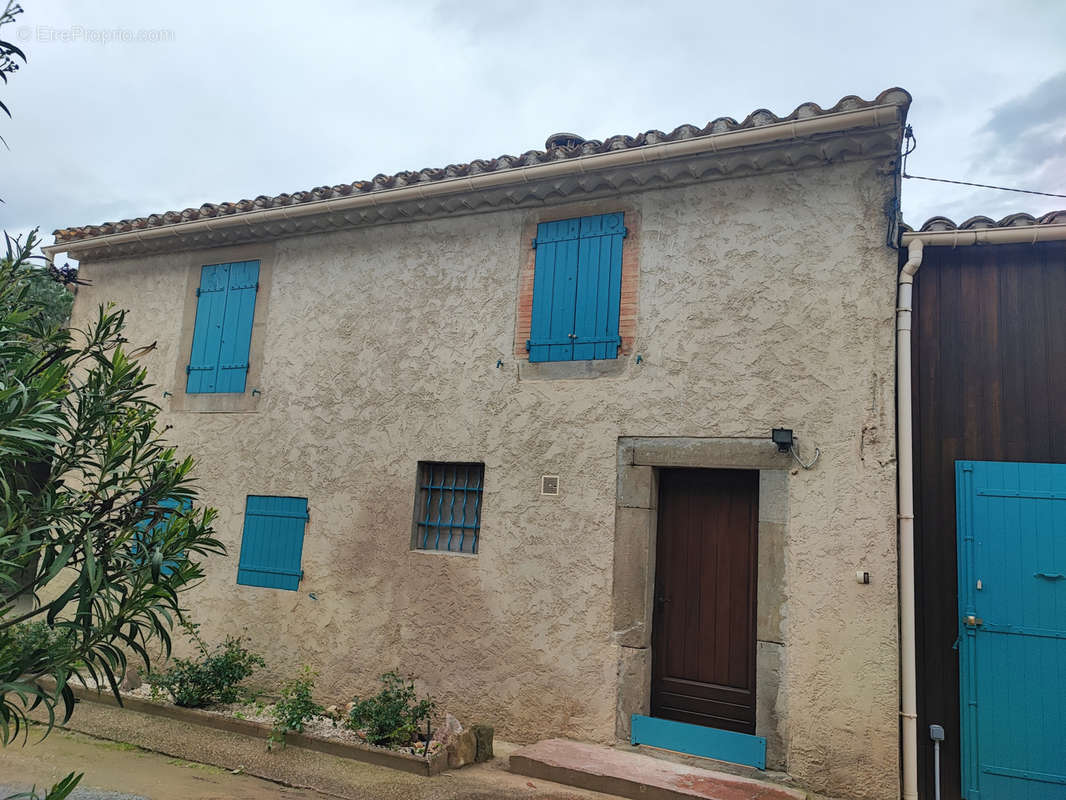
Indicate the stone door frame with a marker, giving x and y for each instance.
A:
(636, 517)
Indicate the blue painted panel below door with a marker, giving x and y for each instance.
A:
(1012, 652)
(696, 740)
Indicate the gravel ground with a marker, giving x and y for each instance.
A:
(319, 726)
(77, 794)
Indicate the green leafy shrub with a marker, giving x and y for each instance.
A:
(86, 543)
(213, 678)
(392, 717)
(33, 645)
(296, 705)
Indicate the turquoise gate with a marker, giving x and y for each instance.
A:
(1012, 629)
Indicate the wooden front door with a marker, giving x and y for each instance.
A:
(703, 635)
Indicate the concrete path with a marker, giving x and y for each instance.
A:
(119, 771)
(6, 790)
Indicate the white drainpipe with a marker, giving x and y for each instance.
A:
(905, 434)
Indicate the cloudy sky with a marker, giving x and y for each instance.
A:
(127, 108)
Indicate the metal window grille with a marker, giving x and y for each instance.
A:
(448, 506)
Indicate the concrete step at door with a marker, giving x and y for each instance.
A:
(637, 776)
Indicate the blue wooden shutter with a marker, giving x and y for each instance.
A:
(207, 333)
(222, 335)
(272, 543)
(182, 505)
(599, 287)
(554, 291)
(577, 289)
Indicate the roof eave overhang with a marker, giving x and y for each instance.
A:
(872, 132)
(1014, 234)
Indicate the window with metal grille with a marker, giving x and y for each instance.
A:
(448, 506)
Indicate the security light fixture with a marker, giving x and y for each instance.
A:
(782, 437)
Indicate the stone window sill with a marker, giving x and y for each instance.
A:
(572, 370)
(215, 403)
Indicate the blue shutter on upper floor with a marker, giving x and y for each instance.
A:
(577, 287)
(272, 542)
(599, 288)
(207, 333)
(222, 335)
(554, 291)
(237, 326)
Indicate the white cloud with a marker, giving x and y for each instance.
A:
(239, 99)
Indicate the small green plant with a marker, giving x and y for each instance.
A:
(59, 791)
(295, 707)
(392, 717)
(213, 678)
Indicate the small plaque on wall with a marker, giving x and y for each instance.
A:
(549, 484)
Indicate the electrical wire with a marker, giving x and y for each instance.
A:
(983, 185)
(813, 461)
(911, 144)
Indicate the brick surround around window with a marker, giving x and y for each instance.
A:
(627, 319)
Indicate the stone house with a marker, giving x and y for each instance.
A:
(506, 426)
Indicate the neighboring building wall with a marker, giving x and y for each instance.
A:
(989, 380)
(764, 301)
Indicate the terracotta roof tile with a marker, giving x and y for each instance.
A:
(762, 116)
(974, 223)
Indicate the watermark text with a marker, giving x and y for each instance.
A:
(79, 33)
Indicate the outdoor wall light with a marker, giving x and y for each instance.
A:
(783, 439)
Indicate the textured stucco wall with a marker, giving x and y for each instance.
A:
(762, 302)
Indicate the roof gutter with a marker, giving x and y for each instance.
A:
(1019, 234)
(777, 132)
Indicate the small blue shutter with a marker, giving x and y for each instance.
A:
(272, 543)
(577, 289)
(222, 335)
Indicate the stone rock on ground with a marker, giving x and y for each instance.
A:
(483, 734)
(462, 750)
(448, 730)
(132, 680)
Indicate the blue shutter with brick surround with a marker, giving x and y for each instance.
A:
(222, 336)
(272, 543)
(577, 289)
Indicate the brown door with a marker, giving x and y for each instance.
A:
(703, 637)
